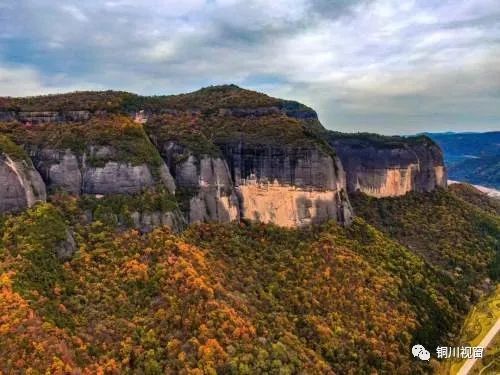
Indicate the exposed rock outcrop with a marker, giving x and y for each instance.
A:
(389, 166)
(289, 206)
(288, 186)
(144, 220)
(116, 178)
(147, 221)
(68, 171)
(249, 156)
(232, 153)
(211, 193)
(20, 184)
(60, 169)
(44, 117)
(67, 247)
(216, 199)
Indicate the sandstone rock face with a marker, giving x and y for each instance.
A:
(231, 153)
(44, 117)
(214, 197)
(384, 170)
(300, 167)
(288, 187)
(20, 185)
(147, 221)
(64, 170)
(247, 172)
(186, 173)
(67, 247)
(60, 170)
(166, 178)
(116, 178)
(289, 206)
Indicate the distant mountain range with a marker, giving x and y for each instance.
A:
(471, 157)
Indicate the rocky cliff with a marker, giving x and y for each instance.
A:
(389, 166)
(205, 182)
(104, 155)
(80, 173)
(289, 185)
(255, 160)
(20, 184)
(226, 153)
(108, 154)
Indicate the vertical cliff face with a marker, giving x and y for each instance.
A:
(60, 169)
(20, 184)
(105, 155)
(227, 153)
(85, 173)
(206, 183)
(255, 160)
(76, 173)
(289, 186)
(389, 166)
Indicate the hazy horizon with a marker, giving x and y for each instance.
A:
(381, 66)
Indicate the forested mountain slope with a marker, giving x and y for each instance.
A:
(212, 233)
(238, 298)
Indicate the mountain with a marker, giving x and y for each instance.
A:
(472, 157)
(222, 153)
(227, 232)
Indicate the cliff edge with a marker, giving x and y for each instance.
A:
(21, 186)
(384, 166)
(222, 153)
(237, 154)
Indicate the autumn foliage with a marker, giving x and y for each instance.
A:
(214, 299)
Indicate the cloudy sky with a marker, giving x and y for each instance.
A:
(387, 66)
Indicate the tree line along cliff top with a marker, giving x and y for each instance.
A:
(362, 139)
(270, 117)
(225, 96)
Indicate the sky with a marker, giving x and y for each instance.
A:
(385, 66)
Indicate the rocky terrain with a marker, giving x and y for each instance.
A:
(382, 166)
(21, 185)
(223, 153)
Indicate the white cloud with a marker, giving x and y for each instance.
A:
(26, 81)
(349, 59)
(161, 51)
(75, 12)
(19, 81)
